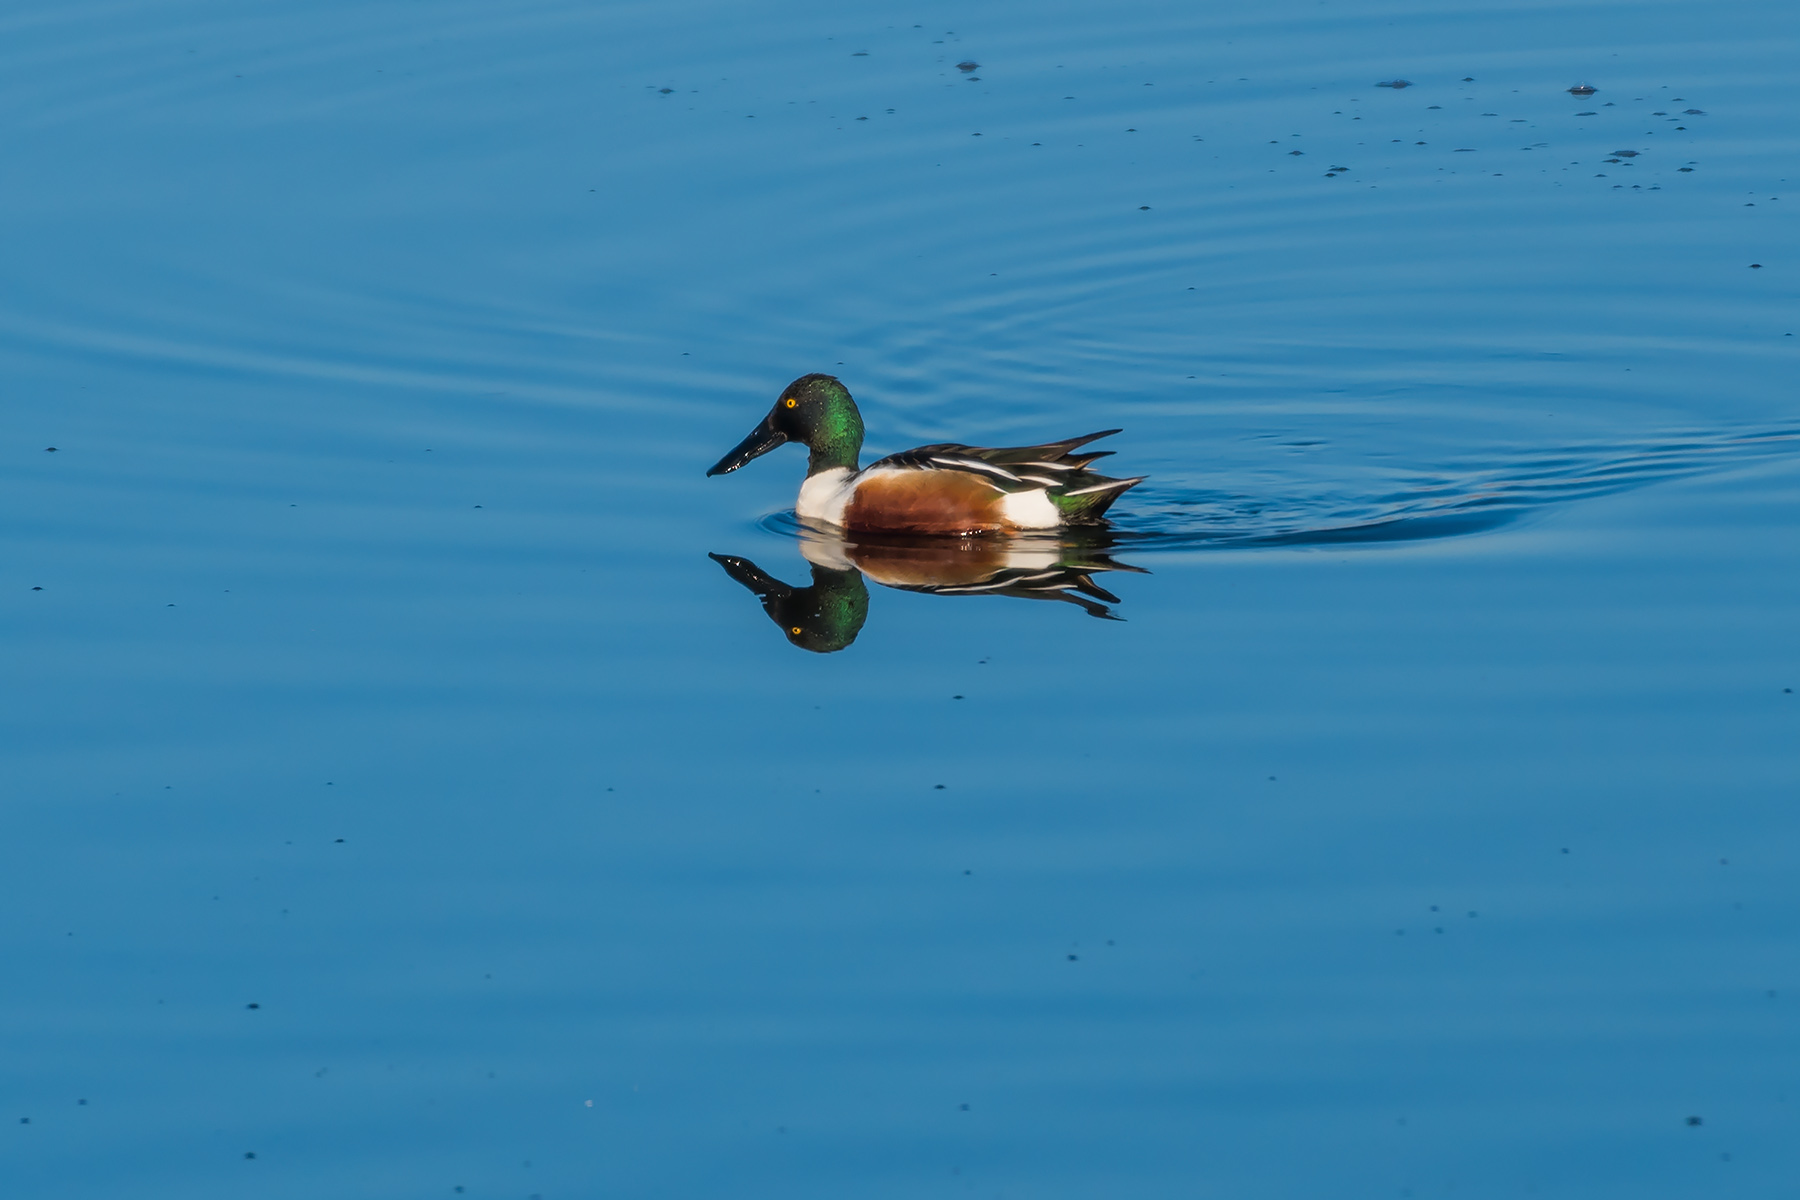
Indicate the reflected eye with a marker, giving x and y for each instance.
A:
(791, 402)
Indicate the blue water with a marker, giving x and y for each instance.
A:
(399, 800)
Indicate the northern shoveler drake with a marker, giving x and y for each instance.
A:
(941, 489)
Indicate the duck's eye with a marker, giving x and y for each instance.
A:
(791, 402)
(795, 631)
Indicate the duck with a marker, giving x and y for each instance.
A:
(945, 488)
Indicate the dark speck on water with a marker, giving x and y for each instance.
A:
(1583, 89)
(967, 65)
(1395, 83)
(1694, 1121)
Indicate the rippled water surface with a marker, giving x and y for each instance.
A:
(421, 781)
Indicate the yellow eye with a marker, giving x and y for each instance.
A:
(795, 631)
(791, 402)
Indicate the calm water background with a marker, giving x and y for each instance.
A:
(396, 792)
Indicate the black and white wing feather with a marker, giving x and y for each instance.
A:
(1008, 468)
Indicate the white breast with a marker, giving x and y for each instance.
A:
(823, 497)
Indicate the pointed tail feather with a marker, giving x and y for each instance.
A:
(1085, 583)
(1047, 451)
(1072, 443)
(1089, 503)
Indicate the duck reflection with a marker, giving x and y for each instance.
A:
(826, 615)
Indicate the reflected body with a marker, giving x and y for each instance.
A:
(826, 615)
(944, 488)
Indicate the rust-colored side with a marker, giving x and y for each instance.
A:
(925, 502)
(958, 563)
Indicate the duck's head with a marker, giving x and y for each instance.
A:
(814, 410)
(823, 618)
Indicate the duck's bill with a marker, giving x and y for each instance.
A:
(762, 439)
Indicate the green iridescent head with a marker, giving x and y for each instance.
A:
(814, 410)
(823, 618)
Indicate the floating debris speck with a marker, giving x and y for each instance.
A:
(1583, 89)
(1395, 83)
